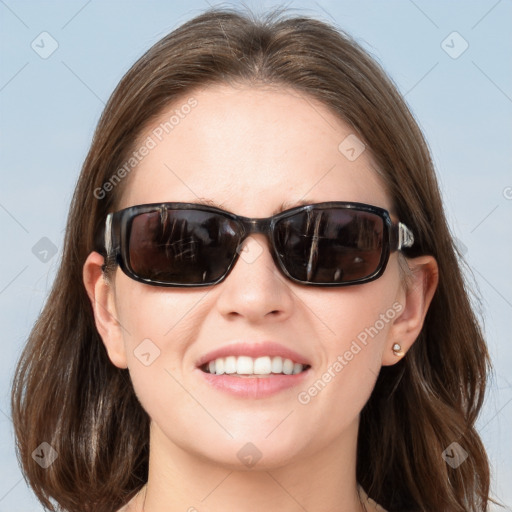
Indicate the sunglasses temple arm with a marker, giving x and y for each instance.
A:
(405, 237)
(108, 237)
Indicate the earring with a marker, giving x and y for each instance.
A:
(397, 350)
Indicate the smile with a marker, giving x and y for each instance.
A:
(245, 366)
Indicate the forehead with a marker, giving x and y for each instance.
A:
(250, 149)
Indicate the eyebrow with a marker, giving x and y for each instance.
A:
(285, 205)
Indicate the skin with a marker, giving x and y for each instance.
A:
(249, 149)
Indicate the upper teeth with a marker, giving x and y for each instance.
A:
(245, 365)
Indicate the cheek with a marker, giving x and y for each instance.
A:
(361, 314)
(155, 313)
(341, 386)
(157, 326)
(358, 321)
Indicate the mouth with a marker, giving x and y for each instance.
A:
(253, 370)
(259, 367)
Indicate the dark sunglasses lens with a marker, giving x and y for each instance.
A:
(181, 247)
(335, 245)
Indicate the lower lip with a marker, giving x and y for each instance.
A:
(254, 387)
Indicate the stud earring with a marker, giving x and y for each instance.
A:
(397, 350)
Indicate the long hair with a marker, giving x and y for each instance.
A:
(66, 392)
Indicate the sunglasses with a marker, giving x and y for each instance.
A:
(189, 244)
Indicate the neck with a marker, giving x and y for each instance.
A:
(179, 480)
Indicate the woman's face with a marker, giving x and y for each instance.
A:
(249, 150)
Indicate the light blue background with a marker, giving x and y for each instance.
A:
(49, 108)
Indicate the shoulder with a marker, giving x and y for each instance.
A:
(370, 504)
(129, 507)
(135, 504)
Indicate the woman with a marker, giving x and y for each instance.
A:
(259, 305)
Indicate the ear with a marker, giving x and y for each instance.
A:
(102, 296)
(415, 300)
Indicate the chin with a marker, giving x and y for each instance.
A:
(250, 449)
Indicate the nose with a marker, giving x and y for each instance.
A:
(255, 289)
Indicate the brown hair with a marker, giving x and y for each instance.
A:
(67, 392)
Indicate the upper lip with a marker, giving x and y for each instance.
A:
(265, 348)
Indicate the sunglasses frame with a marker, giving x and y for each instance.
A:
(396, 236)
